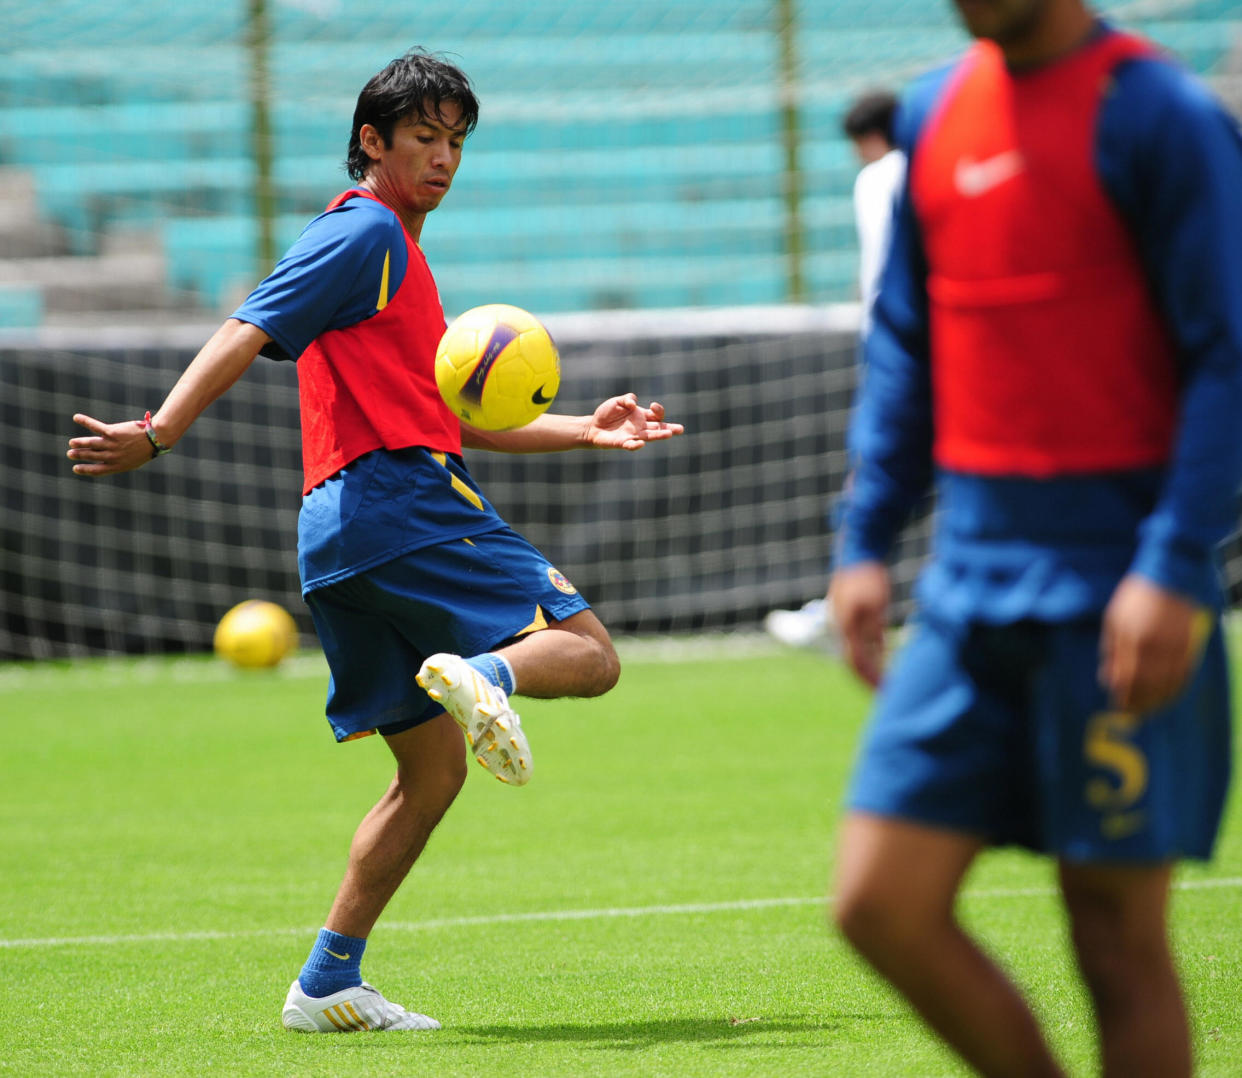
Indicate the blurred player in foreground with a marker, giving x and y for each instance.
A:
(868, 124)
(404, 564)
(1058, 343)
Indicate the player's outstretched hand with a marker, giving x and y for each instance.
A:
(622, 423)
(111, 447)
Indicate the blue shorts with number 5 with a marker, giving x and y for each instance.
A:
(1004, 732)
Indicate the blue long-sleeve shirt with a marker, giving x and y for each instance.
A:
(1170, 159)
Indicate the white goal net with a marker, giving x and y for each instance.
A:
(651, 157)
(706, 532)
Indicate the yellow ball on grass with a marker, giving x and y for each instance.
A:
(255, 634)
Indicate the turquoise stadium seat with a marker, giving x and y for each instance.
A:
(562, 251)
(122, 131)
(21, 306)
(628, 154)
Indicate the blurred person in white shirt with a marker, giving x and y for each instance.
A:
(869, 126)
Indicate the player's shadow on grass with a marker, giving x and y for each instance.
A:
(634, 1036)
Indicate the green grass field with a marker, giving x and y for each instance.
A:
(652, 904)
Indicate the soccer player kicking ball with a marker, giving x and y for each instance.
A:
(410, 575)
(1057, 343)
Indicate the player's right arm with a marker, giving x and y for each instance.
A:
(890, 455)
(121, 447)
(330, 277)
(889, 438)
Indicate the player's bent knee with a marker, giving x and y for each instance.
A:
(596, 665)
(861, 918)
(875, 919)
(452, 775)
(609, 669)
(428, 796)
(431, 765)
(453, 779)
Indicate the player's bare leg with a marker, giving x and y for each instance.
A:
(896, 887)
(431, 767)
(574, 657)
(1118, 916)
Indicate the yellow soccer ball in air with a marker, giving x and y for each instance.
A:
(497, 368)
(256, 633)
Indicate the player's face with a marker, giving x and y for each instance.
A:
(417, 169)
(1007, 22)
(871, 147)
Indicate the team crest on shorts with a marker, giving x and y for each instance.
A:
(561, 582)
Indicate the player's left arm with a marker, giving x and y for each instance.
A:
(1171, 158)
(617, 423)
(1151, 641)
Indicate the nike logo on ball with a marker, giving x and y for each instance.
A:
(974, 178)
(538, 398)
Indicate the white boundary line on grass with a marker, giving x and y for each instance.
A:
(684, 909)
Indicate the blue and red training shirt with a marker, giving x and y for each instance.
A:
(1058, 336)
(355, 304)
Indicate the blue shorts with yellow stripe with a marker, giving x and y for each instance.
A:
(1004, 732)
(463, 596)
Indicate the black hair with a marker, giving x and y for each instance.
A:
(409, 86)
(871, 114)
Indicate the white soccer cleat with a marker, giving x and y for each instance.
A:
(493, 729)
(351, 1010)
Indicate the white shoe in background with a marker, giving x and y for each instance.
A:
(809, 626)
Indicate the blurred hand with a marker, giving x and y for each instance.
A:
(1150, 644)
(621, 423)
(859, 595)
(113, 447)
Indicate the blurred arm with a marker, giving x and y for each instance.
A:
(1172, 160)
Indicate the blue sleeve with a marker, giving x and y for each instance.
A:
(890, 435)
(1171, 159)
(333, 276)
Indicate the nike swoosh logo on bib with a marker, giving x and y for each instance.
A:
(973, 178)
